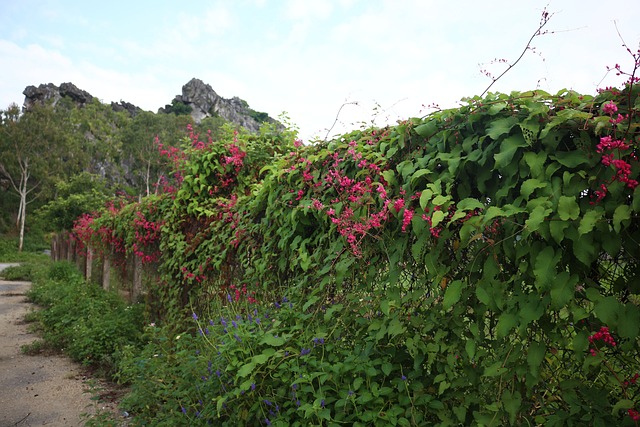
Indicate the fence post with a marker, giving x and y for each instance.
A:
(137, 278)
(106, 271)
(88, 264)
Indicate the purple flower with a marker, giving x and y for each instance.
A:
(253, 386)
(266, 402)
(195, 316)
(235, 325)
(258, 320)
(223, 322)
(237, 337)
(305, 351)
(184, 410)
(403, 378)
(318, 341)
(322, 403)
(218, 373)
(267, 422)
(211, 322)
(229, 297)
(278, 304)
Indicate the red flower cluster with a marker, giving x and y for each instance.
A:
(602, 335)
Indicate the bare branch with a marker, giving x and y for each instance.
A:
(546, 16)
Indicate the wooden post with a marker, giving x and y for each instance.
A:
(89, 264)
(106, 271)
(137, 278)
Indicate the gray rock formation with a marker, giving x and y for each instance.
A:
(126, 106)
(52, 93)
(205, 102)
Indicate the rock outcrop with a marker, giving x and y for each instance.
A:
(126, 106)
(52, 93)
(205, 102)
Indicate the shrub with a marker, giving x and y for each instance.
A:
(91, 325)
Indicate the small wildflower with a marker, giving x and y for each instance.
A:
(195, 316)
(305, 351)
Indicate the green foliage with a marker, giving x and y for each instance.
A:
(478, 266)
(91, 325)
(26, 271)
(82, 194)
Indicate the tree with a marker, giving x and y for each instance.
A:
(30, 144)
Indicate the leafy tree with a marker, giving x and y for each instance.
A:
(83, 193)
(33, 147)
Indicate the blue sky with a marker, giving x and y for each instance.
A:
(309, 57)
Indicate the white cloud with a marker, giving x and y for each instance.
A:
(297, 10)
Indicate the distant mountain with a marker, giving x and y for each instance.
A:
(197, 99)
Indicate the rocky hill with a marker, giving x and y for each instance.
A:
(204, 102)
(197, 98)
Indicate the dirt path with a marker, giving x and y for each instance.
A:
(35, 390)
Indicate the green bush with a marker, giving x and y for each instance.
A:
(91, 325)
(27, 271)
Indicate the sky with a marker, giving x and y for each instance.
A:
(330, 65)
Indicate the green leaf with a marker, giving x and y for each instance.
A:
(571, 159)
(568, 208)
(629, 322)
(499, 127)
(607, 310)
(506, 323)
(536, 162)
(545, 268)
(396, 328)
(495, 370)
(508, 149)
(584, 249)
(622, 404)
(589, 221)
(469, 204)
(530, 185)
(246, 369)
(563, 290)
(452, 294)
(622, 213)
(535, 355)
(437, 217)
(470, 348)
(428, 129)
(386, 368)
(512, 403)
(536, 218)
(272, 340)
(556, 228)
(331, 310)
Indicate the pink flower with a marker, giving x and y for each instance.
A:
(610, 108)
(406, 218)
(398, 204)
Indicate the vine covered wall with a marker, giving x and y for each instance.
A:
(479, 265)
